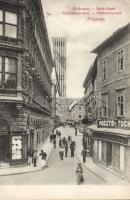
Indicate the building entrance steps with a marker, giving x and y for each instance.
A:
(21, 169)
(103, 173)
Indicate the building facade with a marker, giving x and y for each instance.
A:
(59, 55)
(55, 93)
(77, 111)
(90, 94)
(25, 79)
(62, 108)
(111, 135)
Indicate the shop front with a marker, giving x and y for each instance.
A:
(112, 149)
(88, 141)
(13, 145)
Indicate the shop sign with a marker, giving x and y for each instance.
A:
(114, 123)
(16, 147)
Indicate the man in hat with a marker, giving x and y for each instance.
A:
(43, 158)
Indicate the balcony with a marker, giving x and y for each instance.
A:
(19, 2)
(35, 104)
(10, 42)
(9, 95)
(41, 77)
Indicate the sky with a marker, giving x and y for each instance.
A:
(84, 32)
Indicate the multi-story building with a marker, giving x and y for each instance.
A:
(112, 133)
(62, 109)
(59, 54)
(55, 93)
(90, 95)
(77, 111)
(25, 79)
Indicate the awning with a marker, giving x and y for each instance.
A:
(114, 131)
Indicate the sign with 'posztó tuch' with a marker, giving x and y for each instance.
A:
(114, 123)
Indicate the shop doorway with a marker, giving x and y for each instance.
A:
(4, 142)
(4, 148)
(109, 154)
(31, 141)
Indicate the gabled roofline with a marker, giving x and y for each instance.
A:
(114, 37)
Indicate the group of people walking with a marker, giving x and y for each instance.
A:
(64, 143)
(66, 146)
(34, 155)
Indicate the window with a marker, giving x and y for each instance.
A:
(103, 70)
(8, 72)
(80, 116)
(104, 107)
(120, 105)
(80, 108)
(120, 58)
(103, 157)
(8, 24)
(116, 156)
(0, 72)
(1, 20)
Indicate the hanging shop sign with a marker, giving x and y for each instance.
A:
(16, 147)
(114, 123)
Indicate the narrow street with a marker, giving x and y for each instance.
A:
(58, 172)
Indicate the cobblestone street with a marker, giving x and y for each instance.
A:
(58, 172)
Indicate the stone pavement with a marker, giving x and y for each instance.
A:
(107, 176)
(12, 170)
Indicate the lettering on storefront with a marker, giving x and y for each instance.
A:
(114, 123)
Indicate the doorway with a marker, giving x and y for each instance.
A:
(4, 149)
(4, 142)
(109, 154)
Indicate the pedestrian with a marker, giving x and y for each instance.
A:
(29, 154)
(43, 158)
(60, 142)
(61, 153)
(84, 154)
(64, 141)
(79, 174)
(66, 149)
(54, 136)
(72, 148)
(84, 142)
(33, 155)
(51, 138)
(69, 139)
(35, 158)
(57, 132)
(75, 131)
(54, 142)
(88, 152)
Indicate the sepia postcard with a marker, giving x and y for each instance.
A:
(64, 99)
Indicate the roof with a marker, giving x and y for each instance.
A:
(113, 38)
(72, 105)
